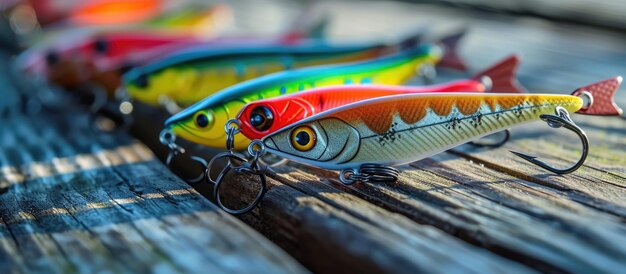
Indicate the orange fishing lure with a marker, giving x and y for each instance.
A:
(366, 138)
(395, 130)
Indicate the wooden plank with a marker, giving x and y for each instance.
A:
(482, 208)
(300, 210)
(74, 200)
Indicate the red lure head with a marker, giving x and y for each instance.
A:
(259, 119)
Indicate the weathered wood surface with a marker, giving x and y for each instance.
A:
(73, 200)
(469, 209)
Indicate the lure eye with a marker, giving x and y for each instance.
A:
(52, 58)
(261, 118)
(141, 81)
(303, 138)
(101, 46)
(203, 120)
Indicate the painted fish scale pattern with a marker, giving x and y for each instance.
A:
(377, 115)
(406, 138)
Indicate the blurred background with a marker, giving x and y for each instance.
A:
(558, 40)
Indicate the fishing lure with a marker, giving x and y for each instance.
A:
(408, 128)
(202, 122)
(103, 57)
(365, 139)
(72, 64)
(115, 11)
(188, 77)
(260, 118)
(91, 12)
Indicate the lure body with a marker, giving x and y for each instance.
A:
(115, 12)
(188, 77)
(105, 57)
(282, 111)
(71, 65)
(263, 117)
(104, 46)
(203, 122)
(396, 130)
(94, 12)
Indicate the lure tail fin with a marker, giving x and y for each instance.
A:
(451, 58)
(413, 39)
(501, 77)
(600, 97)
(310, 23)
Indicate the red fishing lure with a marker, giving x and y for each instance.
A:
(104, 57)
(102, 47)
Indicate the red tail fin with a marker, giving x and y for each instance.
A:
(502, 76)
(450, 58)
(602, 94)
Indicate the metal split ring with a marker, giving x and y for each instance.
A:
(232, 128)
(586, 94)
(256, 148)
(233, 124)
(166, 137)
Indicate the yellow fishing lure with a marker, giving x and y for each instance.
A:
(203, 122)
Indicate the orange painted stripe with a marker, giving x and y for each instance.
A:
(411, 109)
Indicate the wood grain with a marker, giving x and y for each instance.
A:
(74, 200)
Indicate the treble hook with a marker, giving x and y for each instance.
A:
(168, 138)
(100, 118)
(203, 163)
(561, 119)
(256, 149)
